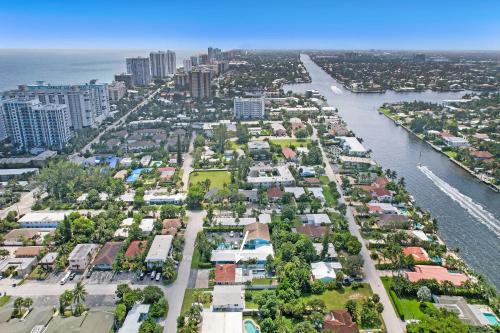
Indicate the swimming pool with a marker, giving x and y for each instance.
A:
(251, 327)
(134, 175)
(491, 318)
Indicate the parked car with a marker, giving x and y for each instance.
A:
(65, 278)
(153, 273)
(158, 276)
(141, 276)
(72, 276)
(231, 234)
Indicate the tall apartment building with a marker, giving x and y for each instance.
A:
(139, 68)
(88, 104)
(29, 123)
(200, 80)
(194, 60)
(126, 78)
(117, 91)
(214, 54)
(187, 64)
(181, 79)
(163, 63)
(248, 108)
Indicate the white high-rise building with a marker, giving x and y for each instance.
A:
(139, 68)
(188, 65)
(249, 108)
(163, 63)
(88, 104)
(29, 123)
(194, 60)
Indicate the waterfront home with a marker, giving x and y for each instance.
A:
(357, 163)
(440, 274)
(391, 221)
(418, 253)
(455, 141)
(228, 298)
(352, 146)
(380, 208)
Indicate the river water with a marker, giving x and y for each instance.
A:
(467, 210)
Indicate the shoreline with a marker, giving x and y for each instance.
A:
(438, 149)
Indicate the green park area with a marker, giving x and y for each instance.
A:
(217, 178)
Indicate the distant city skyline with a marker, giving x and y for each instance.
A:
(389, 24)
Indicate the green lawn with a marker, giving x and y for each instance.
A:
(188, 300)
(217, 178)
(264, 281)
(235, 145)
(335, 300)
(407, 308)
(4, 299)
(324, 180)
(291, 142)
(451, 154)
(331, 201)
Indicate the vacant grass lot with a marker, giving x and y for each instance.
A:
(291, 142)
(407, 308)
(189, 299)
(217, 178)
(334, 300)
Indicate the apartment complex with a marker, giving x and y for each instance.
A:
(200, 80)
(87, 104)
(139, 68)
(187, 64)
(162, 63)
(126, 78)
(29, 123)
(117, 91)
(248, 108)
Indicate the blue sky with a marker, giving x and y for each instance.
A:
(357, 24)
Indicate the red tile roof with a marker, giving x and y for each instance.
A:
(274, 192)
(441, 274)
(172, 223)
(225, 273)
(135, 248)
(418, 253)
(288, 153)
(28, 251)
(339, 321)
(482, 154)
(108, 253)
(312, 230)
(312, 180)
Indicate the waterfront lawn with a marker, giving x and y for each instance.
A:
(290, 142)
(336, 300)
(407, 308)
(217, 178)
(451, 154)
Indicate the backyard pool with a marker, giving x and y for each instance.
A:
(491, 318)
(134, 175)
(251, 326)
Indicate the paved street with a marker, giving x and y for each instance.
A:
(391, 320)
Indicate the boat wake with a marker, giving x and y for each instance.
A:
(474, 209)
(336, 90)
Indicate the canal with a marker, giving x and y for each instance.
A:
(467, 210)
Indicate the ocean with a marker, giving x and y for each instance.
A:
(67, 66)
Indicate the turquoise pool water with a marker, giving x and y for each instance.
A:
(491, 318)
(250, 327)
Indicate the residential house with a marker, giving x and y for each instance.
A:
(339, 321)
(221, 322)
(257, 235)
(82, 256)
(418, 253)
(440, 274)
(159, 251)
(136, 248)
(325, 271)
(107, 256)
(316, 219)
(228, 298)
(312, 231)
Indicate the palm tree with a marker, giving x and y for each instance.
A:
(79, 293)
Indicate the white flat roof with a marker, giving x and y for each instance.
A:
(259, 253)
(16, 172)
(321, 270)
(353, 143)
(222, 322)
(296, 191)
(159, 248)
(132, 323)
(232, 220)
(46, 216)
